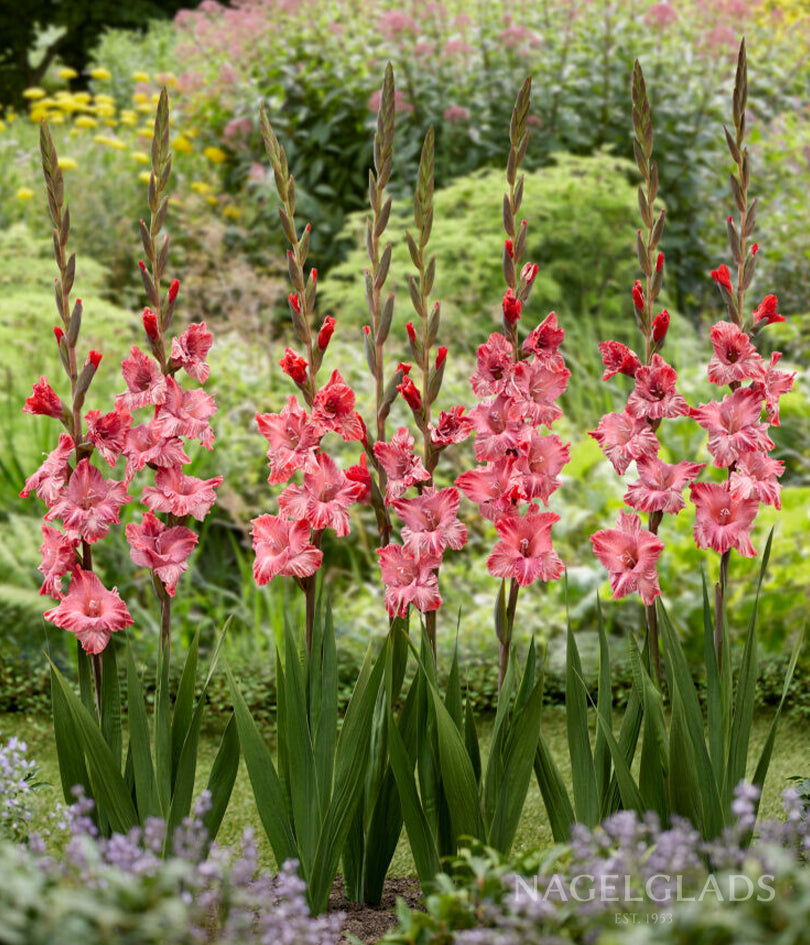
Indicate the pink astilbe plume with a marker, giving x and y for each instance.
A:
(90, 611)
(630, 555)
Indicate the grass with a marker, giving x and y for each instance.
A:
(790, 758)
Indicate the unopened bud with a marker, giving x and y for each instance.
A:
(150, 325)
(174, 288)
(441, 354)
(660, 326)
(510, 248)
(325, 334)
(411, 331)
(529, 272)
(294, 303)
(512, 307)
(94, 357)
(638, 296)
(410, 394)
(659, 263)
(59, 334)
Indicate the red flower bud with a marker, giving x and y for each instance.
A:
(410, 393)
(441, 354)
(326, 332)
(59, 334)
(313, 275)
(150, 324)
(142, 264)
(638, 296)
(766, 311)
(754, 249)
(529, 272)
(659, 263)
(94, 358)
(510, 249)
(367, 330)
(411, 331)
(294, 366)
(722, 277)
(293, 297)
(174, 288)
(404, 367)
(660, 326)
(511, 307)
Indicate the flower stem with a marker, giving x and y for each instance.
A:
(506, 641)
(720, 607)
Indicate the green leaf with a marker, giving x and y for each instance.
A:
(267, 792)
(714, 692)
(163, 735)
(142, 768)
(72, 769)
(471, 739)
(222, 778)
(555, 795)
(85, 675)
(583, 774)
(325, 719)
(108, 786)
(655, 766)
(111, 703)
(604, 708)
(628, 789)
(184, 704)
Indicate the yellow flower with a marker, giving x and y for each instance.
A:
(39, 114)
(144, 177)
(215, 155)
(34, 93)
(182, 145)
(67, 73)
(105, 111)
(100, 73)
(140, 76)
(141, 157)
(85, 121)
(114, 143)
(67, 164)
(25, 193)
(140, 98)
(128, 117)
(212, 200)
(2, 127)
(83, 98)
(146, 109)
(104, 99)
(200, 187)
(57, 118)
(232, 213)
(146, 132)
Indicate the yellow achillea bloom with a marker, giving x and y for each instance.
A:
(25, 193)
(144, 177)
(212, 200)
(200, 187)
(141, 157)
(83, 98)
(85, 121)
(128, 117)
(67, 164)
(114, 143)
(140, 76)
(232, 213)
(215, 155)
(67, 73)
(34, 93)
(182, 145)
(100, 73)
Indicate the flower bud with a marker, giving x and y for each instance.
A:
(529, 272)
(754, 249)
(325, 334)
(660, 326)
(94, 357)
(659, 263)
(411, 331)
(510, 248)
(294, 303)
(766, 312)
(722, 277)
(59, 334)
(638, 296)
(174, 288)
(410, 394)
(294, 366)
(150, 325)
(511, 307)
(441, 354)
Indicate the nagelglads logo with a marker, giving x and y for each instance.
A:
(660, 888)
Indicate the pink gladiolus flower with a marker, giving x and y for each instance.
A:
(766, 312)
(408, 580)
(108, 432)
(324, 498)
(624, 438)
(431, 521)
(451, 427)
(186, 413)
(181, 495)
(294, 366)
(333, 409)
(655, 396)
(401, 465)
(618, 359)
(283, 547)
(360, 474)
(496, 487)
(512, 307)
(723, 521)
(734, 358)
(162, 549)
(630, 555)
(536, 388)
(190, 350)
(58, 559)
(90, 611)
(539, 462)
(90, 503)
(49, 480)
(44, 401)
(494, 367)
(147, 445)
(660, 486)
(545, 340)
(524, 551)
(755, 475)
(145, 382)
(774, 384)
(496, 431)
(733, 425)
(292, 440)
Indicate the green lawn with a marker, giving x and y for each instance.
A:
(790, 758)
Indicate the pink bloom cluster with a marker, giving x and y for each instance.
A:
(176, 414)
(289, 543)
(518, 463)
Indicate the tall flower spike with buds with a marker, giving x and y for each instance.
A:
(518, 386)
(176, 413)
(289, 544)
(82, 503)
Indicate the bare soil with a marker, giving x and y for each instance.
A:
(371, 923)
